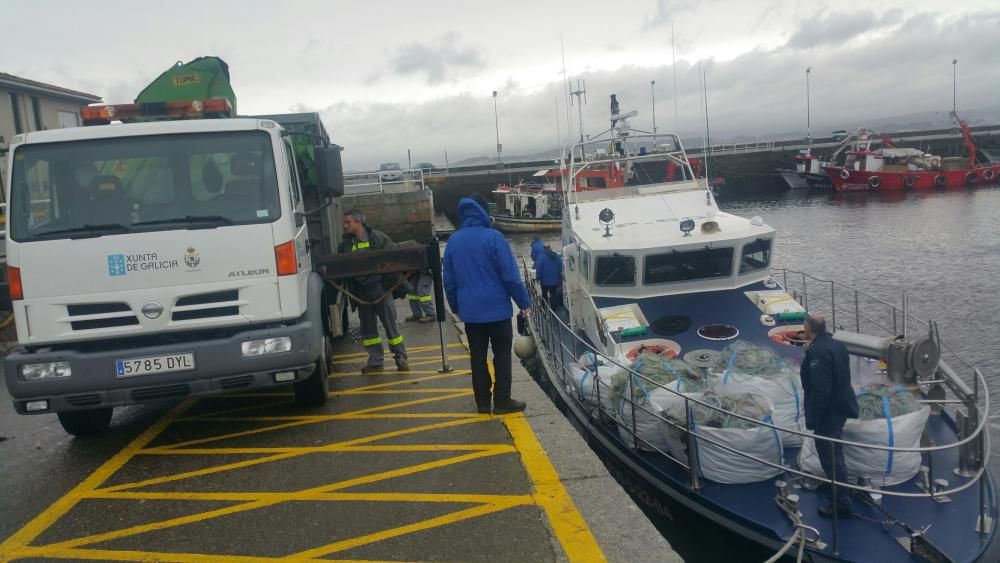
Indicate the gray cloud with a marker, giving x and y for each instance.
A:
(666, 11)
(835, 28)
(758, 95)
(438, 59)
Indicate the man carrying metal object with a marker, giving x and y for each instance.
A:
(829, 402)
(375, 293)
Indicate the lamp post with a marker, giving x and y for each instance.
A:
(652, 95)
(496, 120)
(808, 111)
(954, 85)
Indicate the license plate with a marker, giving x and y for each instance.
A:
(154, 364)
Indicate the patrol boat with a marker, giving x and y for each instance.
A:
(677, 352)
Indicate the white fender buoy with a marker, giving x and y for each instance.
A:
(524, 347)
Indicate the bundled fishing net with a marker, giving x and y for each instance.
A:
(742, 359)
(752, 405)
(873, 400)
(657, 371)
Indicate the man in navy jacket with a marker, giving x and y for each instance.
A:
(480, 279)
(829, 402)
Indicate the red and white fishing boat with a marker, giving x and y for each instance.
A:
(893, 168)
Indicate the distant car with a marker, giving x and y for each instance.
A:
(425, 167)
(839, 135)
(390, 172)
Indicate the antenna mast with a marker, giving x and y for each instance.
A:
(580, 92)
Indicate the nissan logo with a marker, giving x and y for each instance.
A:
(152, 310)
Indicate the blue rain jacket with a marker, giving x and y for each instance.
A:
(537, 249)
(480, 273)
(549, 269)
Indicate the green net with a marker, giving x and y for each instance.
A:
(742, 360)
(657, 370)
(873, 399)
(752, 405)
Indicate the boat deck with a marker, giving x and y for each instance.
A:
(750, 508)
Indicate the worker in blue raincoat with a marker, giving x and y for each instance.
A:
(537, 248)
(480, 279)
(829, 400)
(548, 271)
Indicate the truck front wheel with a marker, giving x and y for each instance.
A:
(85, 423)
(314, 390)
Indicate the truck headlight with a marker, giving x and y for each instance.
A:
(45, 370)
(267, 346)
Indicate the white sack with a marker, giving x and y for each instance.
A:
(785, 393)
(884, 468)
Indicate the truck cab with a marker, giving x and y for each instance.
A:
(163, 259)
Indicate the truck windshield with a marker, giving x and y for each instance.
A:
(100, 187)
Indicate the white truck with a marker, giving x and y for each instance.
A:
(166, 258)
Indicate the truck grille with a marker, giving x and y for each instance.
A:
(236, 382)
(90, 316)
(84, 400)
(207, 306)
(162, 392)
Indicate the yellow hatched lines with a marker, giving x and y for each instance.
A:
(548, 494)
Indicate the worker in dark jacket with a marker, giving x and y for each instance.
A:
(377, 290)
(829, 401)
(480, 279)
(537, 248)
(548, 269)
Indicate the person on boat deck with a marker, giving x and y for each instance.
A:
(376, 290)
(537, 249)
(829, 401)
(480, 279)
(549, 270)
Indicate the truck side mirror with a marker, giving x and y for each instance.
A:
(330, 171)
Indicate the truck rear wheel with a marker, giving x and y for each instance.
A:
(86, 423)
(314, 390)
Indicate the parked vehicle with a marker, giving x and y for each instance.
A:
(390, 172)
(838, 135)
(426, 167)
(169, 255)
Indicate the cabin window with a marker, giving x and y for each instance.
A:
(615, 270)
(756, 256)
(686, 266)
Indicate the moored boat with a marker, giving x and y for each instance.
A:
(891, 168)
(676, 350)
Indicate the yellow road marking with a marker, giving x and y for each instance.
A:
(43, 521)
(234, 410)
(304, 422)
(416, 527)
(277, 457)
(569, 526)
(360, 448)
(327, 417)
(411, 350)
(329, 497)
(202, 516)
(118, 555)
(403, 382)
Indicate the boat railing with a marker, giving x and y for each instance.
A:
(375, 182)
(564, 346)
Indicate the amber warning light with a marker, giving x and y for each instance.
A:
(105, 114)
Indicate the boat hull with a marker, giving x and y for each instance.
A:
(518, 225)
(847, 180)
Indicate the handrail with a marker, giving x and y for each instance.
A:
(981, 430)
(409, 178)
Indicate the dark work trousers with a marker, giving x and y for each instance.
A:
(553, 295)
(832, 456)
(481, 335)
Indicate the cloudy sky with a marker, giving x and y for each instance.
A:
(391, 75)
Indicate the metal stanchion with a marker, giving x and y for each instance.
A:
(434, 263)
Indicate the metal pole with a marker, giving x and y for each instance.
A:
(833, 491)
(954, 85)
(673, 64)
(652, 95)
(496, 120)
(906, 315)
(691, 445)
(434, 263)
(833, 304)
(808, 112)
(409, 160)
(805, 292)
(857, 313)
